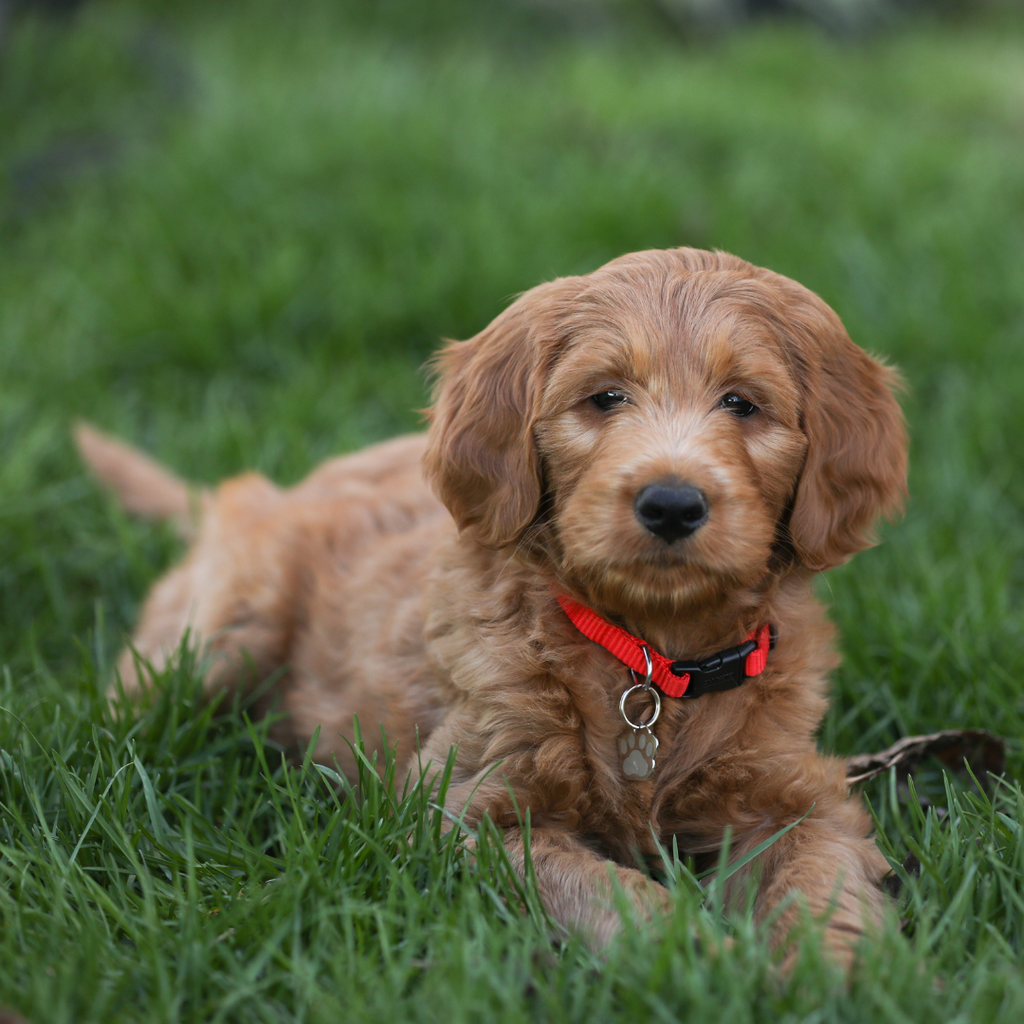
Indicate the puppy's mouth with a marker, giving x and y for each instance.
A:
(677, 566)
(645, 559)
(665, 560)
(628, 586)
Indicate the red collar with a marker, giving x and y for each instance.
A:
(722, 671)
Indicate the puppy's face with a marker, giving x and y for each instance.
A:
(667, 423)
(670, 440)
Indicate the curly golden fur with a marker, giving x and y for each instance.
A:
(432, 609)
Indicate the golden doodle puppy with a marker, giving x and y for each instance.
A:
(593, 577)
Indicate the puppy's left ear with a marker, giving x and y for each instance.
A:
(481, 458)
(856, 465)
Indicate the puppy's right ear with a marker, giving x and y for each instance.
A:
(481, 458)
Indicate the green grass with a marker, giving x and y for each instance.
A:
(232, 233)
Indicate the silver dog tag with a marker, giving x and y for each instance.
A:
(637, 748)
(638, 745)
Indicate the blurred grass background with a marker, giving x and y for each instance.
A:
(231, 233)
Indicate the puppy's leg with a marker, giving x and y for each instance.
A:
(576, 884)
(827, 865)
(234, 593)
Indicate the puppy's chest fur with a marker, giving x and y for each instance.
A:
(537, 702)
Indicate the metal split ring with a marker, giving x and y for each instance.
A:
(648, 670)
(657, 707)
(645, 686)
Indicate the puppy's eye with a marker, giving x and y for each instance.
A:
(608, 400)
(738, 405)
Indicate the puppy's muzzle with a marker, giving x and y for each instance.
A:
(671, 511)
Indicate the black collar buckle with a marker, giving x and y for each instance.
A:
(722, 671)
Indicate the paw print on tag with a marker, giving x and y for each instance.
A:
(638, 747)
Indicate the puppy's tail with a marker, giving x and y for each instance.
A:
(141, 486)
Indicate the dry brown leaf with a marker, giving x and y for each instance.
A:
(982, 751)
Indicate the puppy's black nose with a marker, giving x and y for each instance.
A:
(671, 512)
